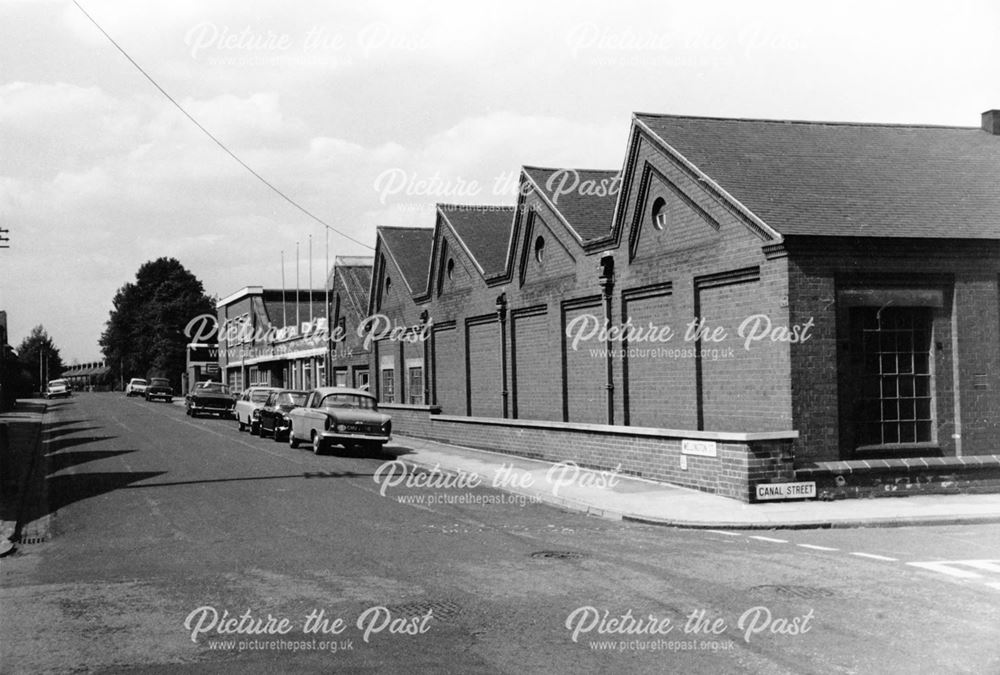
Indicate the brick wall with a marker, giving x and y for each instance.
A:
(742, 460)
(448, 381)
(536, 393)
(585, 391)
(966, 338)
(485, 382)
(411, 420)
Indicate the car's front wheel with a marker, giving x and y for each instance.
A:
(292, 441)
(240, 422)
(319, 445)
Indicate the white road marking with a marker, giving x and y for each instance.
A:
(776, 541)
(818, 548)
(953, 568)
(874, 556)
(985, 565)
(728, 534)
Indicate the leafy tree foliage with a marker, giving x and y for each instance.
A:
(40, 357)
(144, 336)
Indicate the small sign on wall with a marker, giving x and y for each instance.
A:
(700, 448)
(770, 491)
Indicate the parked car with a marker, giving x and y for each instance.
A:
(348, 417)
(274, 420)
(58, 389)
(248, 405)
(213, 398)
(136, 387)
(159, 387)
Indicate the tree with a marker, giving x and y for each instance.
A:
(40, 357)
(144, 335)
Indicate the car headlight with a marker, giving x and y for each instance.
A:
(341, 427)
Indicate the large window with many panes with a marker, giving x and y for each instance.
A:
(897, 372)
(388, 385)
(415, 385)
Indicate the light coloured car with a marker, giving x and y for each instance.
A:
(338, 415)
(248, 405)
(58, 389)
(136, 387)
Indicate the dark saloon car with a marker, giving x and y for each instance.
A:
(273, 416)
(159, 388)
(210, 398)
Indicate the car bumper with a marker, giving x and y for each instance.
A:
(200, 407)
(346, 437)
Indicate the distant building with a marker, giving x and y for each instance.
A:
(349, 282)
(90, 375)
(273, 337)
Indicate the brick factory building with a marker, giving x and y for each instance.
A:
(746, 301)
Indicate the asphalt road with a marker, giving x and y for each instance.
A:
(164, 523)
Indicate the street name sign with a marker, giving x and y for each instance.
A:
(803, 490)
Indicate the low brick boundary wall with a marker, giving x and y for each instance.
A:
(411, 420)
(741, 459)
(901, 477)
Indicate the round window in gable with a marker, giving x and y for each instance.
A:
(659, 213)
(540, 249)
(451, 268)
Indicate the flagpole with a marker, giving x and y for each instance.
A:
(326, 305)
(298, 296)
(310, 279)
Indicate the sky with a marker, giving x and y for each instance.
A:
(369, 113)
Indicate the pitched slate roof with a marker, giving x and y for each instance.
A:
(572, 193)
(410, 247)
(355, 274)
(843, 179)
(485, 231)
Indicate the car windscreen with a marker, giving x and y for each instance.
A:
(259, 396)
(211, 389)
(160, 382)
(291, 399)
(348, 401)
(136, 380)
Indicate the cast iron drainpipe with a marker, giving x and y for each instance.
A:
(607, 279)
(501, 305)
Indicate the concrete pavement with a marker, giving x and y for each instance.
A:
(21, 474)
(622, 497)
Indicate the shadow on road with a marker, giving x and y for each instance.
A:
(58, 462)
